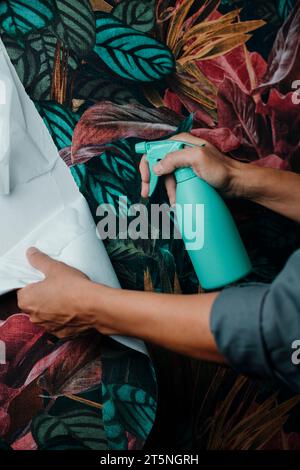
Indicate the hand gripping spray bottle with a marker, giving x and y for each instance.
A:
(222, 259)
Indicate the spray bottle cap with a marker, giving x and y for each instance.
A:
(157, 151)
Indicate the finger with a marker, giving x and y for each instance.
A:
(24, 297)
(64, 334)
(145, 190)
(189, 138)
(171, 188)
(21, 299)
(39, 260)
(180, 159)
(35, 319)
(50, 327)
(145, 175)
(67, 332)
(144, 169)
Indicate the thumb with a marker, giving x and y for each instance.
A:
(180, 159)
(39, 260)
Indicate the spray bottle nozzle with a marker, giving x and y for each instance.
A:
(141, 147)
(156, 151)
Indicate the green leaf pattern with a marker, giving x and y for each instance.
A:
(137, 14)
(129, 53)
(23, 17)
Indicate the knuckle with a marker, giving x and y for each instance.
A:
(198, 153)
(183, 135)
(53, 270)
(61, 334)
(34, 319)
(169, 162)
(21, 298)
(168, 159)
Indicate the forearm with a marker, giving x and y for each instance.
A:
(180, 323)
(275, 189)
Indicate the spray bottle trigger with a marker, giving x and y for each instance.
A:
(157, 151)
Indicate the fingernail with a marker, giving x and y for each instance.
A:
(32, 250)
(158, 169)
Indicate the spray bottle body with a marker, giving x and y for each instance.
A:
(208, 230)
(210, 234)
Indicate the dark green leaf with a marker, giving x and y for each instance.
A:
(121, 162)
(128, 394)
(84, 425)
(285, 7)
(18, 17)
(4, 445)
(89, 85)
(44, 45)
(186, 125)
(135, 407)
(75, 25)
(125, 251)
(63, 443)
(79, 173)
(99, 186)
(108, 177)
(167, 269)
(24, 58)
(136, 13)
(129, 53)
(119, 165)
(59, 121)
(106, 189)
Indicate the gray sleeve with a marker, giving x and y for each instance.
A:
(256, 325)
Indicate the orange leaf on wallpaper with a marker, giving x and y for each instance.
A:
(196, 93)
(219, 30)
(216, 48)
(194, 71)
(206, 26)
(101, 5)
(177, 21)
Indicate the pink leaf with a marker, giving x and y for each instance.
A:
(221, 138)
(19, 334)
(201, 116)
(76, 369)
(66, 155)
(233, 65)
(284, 60)
(107, 122)
(237, 111)
(4, 422)
(25, 443)
(284, 115)
(172, 101)
(40, 366)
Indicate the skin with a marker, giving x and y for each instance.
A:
(67, 303)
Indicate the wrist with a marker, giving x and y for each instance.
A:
(82, 302)
(244, 180)
(99, 303)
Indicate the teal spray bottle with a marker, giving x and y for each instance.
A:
(222, 258)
